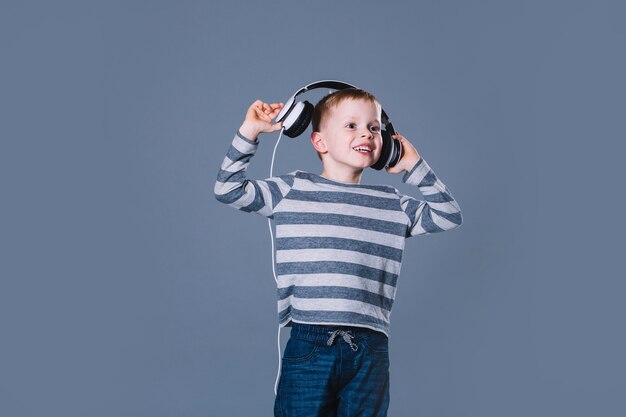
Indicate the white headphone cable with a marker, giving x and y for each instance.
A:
(269, 223)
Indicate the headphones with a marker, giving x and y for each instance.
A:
(296, 116)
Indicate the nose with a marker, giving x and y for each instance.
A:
(366, 133)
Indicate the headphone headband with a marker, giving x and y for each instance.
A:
(334, 84)
(296, 116)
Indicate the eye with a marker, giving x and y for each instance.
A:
(351, 125)
(374, 129)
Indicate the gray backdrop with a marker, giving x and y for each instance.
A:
(128, 290)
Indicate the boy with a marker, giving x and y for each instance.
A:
(339, 248)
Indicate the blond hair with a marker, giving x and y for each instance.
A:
(334, 99)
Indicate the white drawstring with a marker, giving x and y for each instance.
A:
(347, 337)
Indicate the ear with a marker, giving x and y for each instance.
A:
(318, 142)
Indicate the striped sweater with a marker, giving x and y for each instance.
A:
(338, 245)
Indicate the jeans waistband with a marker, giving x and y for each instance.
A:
(320, 333)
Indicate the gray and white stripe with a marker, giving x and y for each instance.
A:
(338, 246)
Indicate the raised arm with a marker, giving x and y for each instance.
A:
(232, 187)
(439, 211)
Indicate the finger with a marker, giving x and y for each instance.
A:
(274, 113)
(266, 117)
(273, 109)
(277, 126)
(261, 115)
(260, 111)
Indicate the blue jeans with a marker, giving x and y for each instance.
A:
(334, 371)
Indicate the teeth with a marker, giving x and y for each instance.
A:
(362, 148)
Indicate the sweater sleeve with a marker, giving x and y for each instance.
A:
(233, 188)
(438, 212)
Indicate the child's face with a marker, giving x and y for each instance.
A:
(351, 136)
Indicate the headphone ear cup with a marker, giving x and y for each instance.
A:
(301, 122)
(396, 153)
(385, 151)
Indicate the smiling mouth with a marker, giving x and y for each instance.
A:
(363, 149)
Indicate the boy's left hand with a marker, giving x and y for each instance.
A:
(410, 157)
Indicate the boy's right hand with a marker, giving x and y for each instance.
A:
(259, 119)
